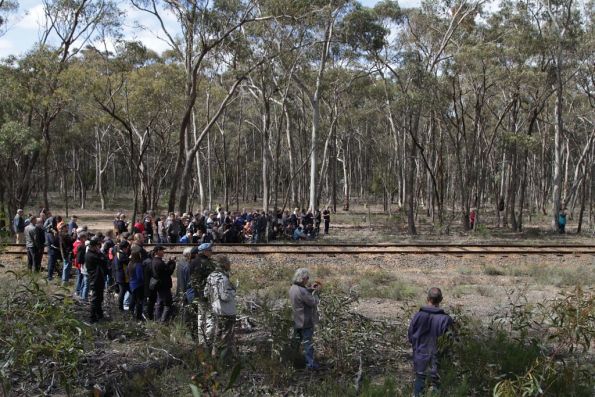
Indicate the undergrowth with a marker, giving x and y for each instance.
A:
(41, 341)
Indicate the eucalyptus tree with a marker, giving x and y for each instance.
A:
(67, 26)
(204, 33)
(136, 89)
(7, 8)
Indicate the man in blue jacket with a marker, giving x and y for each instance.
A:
(428, 324)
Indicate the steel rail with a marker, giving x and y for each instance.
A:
(372, 245)
(383, 252)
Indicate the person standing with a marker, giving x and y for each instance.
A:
(221, 295)
(326, 216)
(120, 266)
(562, 221)
(66, 243)
(136, 282)
(96, 264)
(304, 301)
(200, 268)
(72, 225)
(427, 325)
(78, 252)
(18, 226)
(162, 283)
(34, 241)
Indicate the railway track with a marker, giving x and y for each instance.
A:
(501, 249)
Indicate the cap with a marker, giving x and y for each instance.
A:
(204, 247)
(94, 241)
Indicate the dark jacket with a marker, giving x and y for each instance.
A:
(136, 276)
(147, 274)
(428, 324)
(199, 269)
(120, 266)
(18, 225)
(162, 271)
(96, 264)
(65, 244)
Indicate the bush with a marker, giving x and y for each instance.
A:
(41, 343)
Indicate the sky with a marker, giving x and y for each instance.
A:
(23, 28)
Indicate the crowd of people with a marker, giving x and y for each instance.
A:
(143, 280)
(227, 227)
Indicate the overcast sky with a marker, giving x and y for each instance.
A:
(23, 29)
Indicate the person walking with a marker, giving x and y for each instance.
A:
(427, 325)
(18, 226)
(304, 301)
(96, 264)
(221, 295)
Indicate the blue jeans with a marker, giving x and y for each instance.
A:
(66, 266)
(79, 282)
(420, 383)
(305, 337)
(52, 259)
(85, 288)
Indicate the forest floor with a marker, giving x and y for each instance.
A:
(133, 359)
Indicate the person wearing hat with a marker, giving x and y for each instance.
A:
(161, 283)
(120, 266)
(136, 282)
(200, 268)
(96, 265)
(221, 295)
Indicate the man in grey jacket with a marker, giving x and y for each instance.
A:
(34, 241)
(304, 300)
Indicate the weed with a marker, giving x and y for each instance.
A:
(492, 270)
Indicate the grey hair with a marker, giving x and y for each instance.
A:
(300, 275)
(187, 252)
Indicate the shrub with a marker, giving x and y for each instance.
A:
(42, 343)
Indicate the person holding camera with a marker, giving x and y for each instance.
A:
(304, 301)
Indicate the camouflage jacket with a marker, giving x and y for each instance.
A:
(199, 269)
(221, 293)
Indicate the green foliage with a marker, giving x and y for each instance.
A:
(42, 343)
